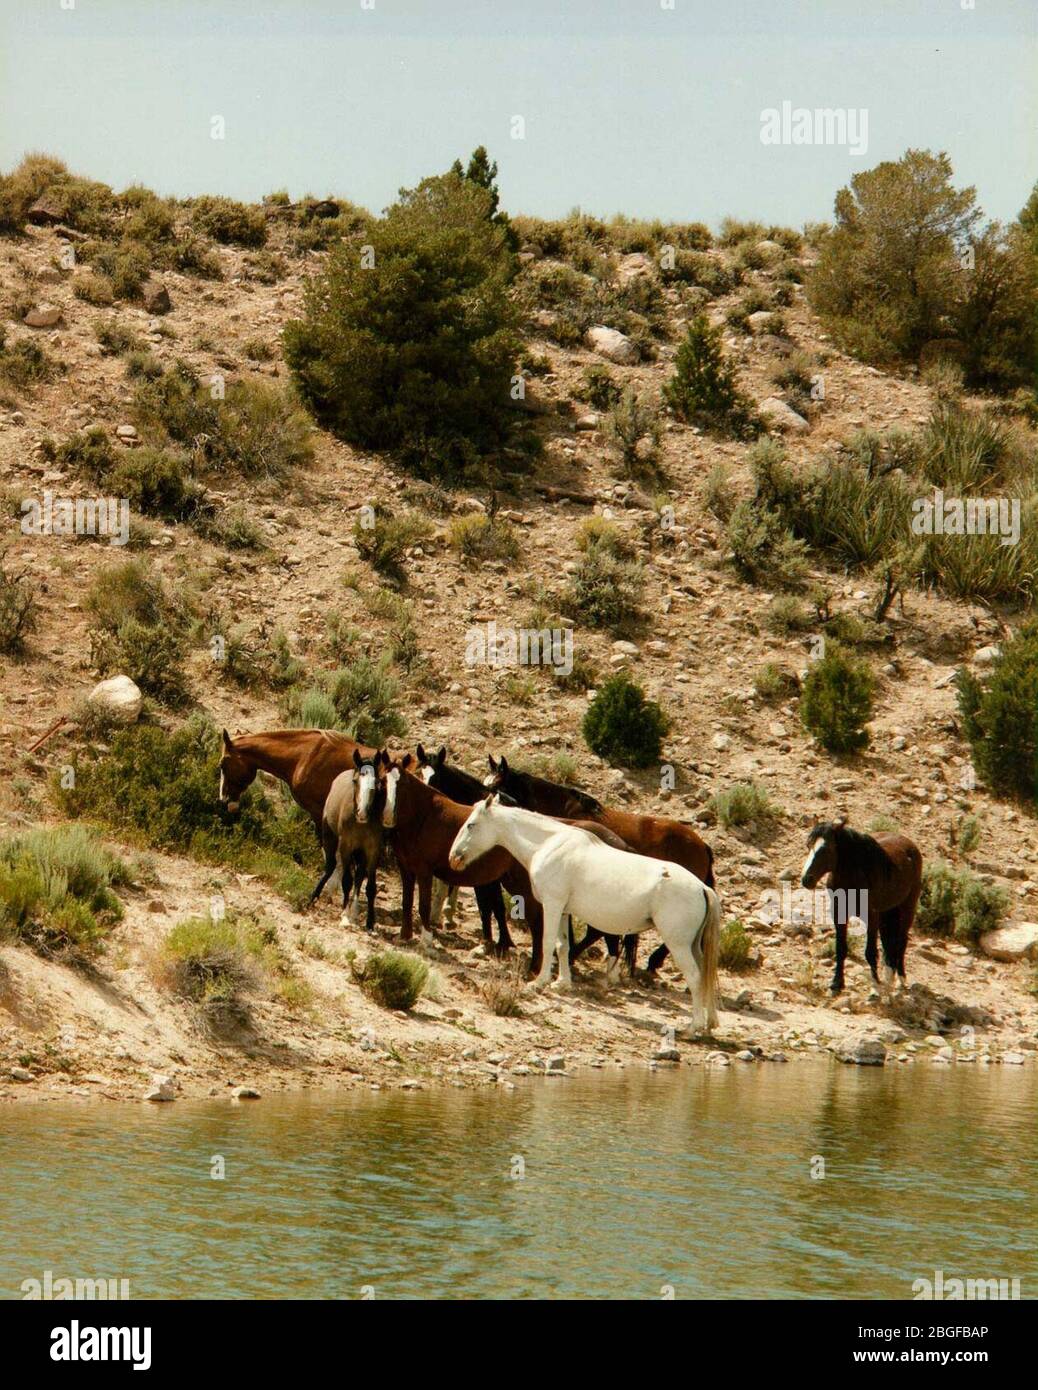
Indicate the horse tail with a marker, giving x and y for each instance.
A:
(709, 879)
(710, 942)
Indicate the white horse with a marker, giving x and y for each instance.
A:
(573, 872)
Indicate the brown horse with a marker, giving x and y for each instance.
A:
(877, 877)
(421, 825)
(653, 836)
(309, 760)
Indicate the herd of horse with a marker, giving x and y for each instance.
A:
(557, 852)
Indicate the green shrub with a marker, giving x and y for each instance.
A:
(18, 610)
(160, 787)
(736, 951)
(598, 388)
(129, 589)
(94, 289)
(255, 430)
(622, 726)
(763, 548)
(836, 701)
(115, 337)
(703, 390)
(954, 902)
(605, 590)
(150, 655)
(384, 544)
(260, 659)
(57, 890)
(394, 979)
(774, 683)
(25, 363)
(744, 804)
(415, 350)
(478, 537)
(633, 425)
(227, 221)
(967, 834)
(1000, 717)
(364, 697)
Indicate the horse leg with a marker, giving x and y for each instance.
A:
(631, 952)
(657, 958)
(890, 935)
(504, 940)
(485, 903)
(871, 954)
(906, 916)
(841, 955)
(565, 979)
(360, 869)
(613, 946)
(591, 935)
(369, 924)
(425, 901)
(406, 905)
(551, 931)
(331, 859)
(679, 938)
(440, 894)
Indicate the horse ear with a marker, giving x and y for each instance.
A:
(841, 822)
(503, 764)
(421, 754)
(358, 761)
(490, 760)
(383, 757)
(228, 742)
(441, 757)
(489, 800)
(406, 761)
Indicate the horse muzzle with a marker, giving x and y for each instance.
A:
(456, 862)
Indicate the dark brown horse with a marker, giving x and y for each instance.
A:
(654, 836)
(875, 877)
(309, 760)
(463, 787)
(421, 825)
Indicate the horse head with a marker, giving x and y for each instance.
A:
(823, 852)
(236, 773)
(428, 766)
(476, 836)
(369, 788)
(390, 772)
(503, 778)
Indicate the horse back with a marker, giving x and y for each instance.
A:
(904, 855)
(660, 838)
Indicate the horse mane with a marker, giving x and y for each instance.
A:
(584, 800)
(463, 779)
(854, 845)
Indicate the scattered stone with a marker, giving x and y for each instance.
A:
(244, 1093)
(666, 1054)
(1014, 1059)
(1016, 942)
(866, 1052)
(43, 316)
(119, 697)
(780, 416)
(555, 1063)
(21, 1074)
(161, 1089)
(612, 345)
(155, 297)
(986, 655)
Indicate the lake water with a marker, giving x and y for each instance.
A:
(614, 1186)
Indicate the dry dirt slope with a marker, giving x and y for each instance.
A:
(701, 644)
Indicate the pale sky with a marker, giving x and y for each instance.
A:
(649, 107)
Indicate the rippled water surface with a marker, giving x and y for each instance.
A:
(700, 1180)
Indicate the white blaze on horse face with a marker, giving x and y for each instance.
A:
(428, 772)
(815, 850)
(389, 810)
(365, 792)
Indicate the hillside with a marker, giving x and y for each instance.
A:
(699, 643)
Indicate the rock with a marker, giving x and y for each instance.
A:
(612, 345)
(126, 432)
(155, 297)
(244, 1093)
(118, 696)
(555, 1063)
(1014, 1059)
(46, 212)
(866, 1052)
(745, 1055)
(780, 416)
(588, 422)
(625, 648)
(161, 1089)
(720, 742)
(666, 1054)
(20, 1074)
(984, 656)
(759, 322)
(42, 316)
(1016, 942)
